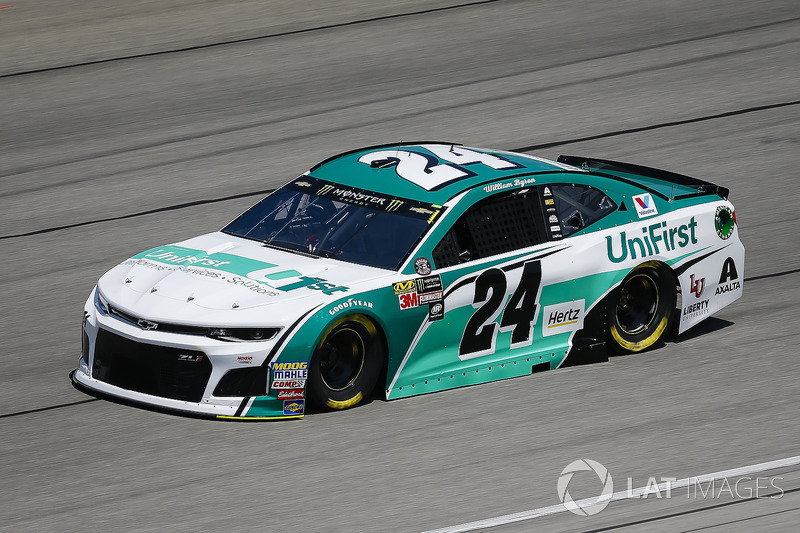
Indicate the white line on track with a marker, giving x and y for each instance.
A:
(621, 495)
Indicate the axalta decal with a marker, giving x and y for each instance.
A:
(256, 275)
(729, 279)
(670, 237)
(351, 302)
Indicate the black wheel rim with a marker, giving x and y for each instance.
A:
(342, 358)
(637, 306)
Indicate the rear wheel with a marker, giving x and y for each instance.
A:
(644, 307)
(346, 363)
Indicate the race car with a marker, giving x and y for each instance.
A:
(416, 267)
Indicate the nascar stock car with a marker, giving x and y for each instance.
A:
(419, 266)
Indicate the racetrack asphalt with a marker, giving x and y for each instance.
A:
(128, 125)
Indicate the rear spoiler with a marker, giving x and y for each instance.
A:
(701, 187)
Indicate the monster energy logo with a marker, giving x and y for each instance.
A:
(325, 190)
(394, 205)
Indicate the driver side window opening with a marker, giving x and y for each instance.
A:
(495, 225)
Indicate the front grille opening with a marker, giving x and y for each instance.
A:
(243, 382)
(150, 369)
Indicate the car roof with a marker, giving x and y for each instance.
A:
(432, 172)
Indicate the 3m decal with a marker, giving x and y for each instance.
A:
(480, 334)
(294, 407)
(645, 206)
(647, 244)
(409, 300)
(563, 317)
(696, 286)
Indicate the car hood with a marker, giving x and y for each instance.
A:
(218, 278)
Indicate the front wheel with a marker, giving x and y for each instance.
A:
(346, 363)
(644, 307)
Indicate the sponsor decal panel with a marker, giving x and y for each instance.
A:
(696, 285)
(404, 287)
(436, 311)
(289, 374)
(564, 317)
(245, 359)
(729, 278)
(723, 222)
(645, 206)
(654, 238)
(290, 384)
(695, 310)
(408, 301)
(294, 407)
(422, 266)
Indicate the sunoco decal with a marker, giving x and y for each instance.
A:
(294, 407)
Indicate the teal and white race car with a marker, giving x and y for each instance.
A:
(420, 267)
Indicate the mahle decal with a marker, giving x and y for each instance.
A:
(671, 238)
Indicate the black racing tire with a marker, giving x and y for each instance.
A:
(643, 308)
(346, 363)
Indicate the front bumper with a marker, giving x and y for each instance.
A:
(180, 372)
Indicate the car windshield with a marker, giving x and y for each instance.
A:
(318, 218)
